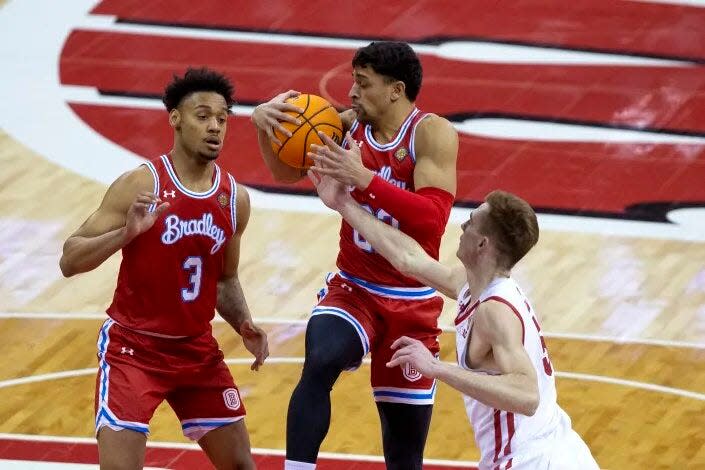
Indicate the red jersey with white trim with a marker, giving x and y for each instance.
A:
(395, 163)
(501, 435)
(168, 276)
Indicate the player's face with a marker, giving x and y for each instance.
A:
(203, 120)
(470, 239)
(371, 94)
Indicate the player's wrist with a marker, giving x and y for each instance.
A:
(364, 179)
(126, 234)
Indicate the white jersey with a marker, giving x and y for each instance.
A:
(507, 439)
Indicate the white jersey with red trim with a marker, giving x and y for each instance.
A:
(502, 436)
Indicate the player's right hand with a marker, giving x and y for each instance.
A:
(269, 116)
(139, 219)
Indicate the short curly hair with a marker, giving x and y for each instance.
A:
(195, 80)
(395, 60)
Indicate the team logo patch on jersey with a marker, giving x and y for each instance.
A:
(401, 154)
(411, 374)
(231, 398)
(223, 199)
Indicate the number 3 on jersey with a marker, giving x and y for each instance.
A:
(382, 215)
(194, 265)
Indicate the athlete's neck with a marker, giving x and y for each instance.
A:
(479, 277)
(385, 128)
(194, 172)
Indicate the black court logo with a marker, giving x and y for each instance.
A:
(231, 398)
(411, 374)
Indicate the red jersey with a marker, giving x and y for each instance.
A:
(169, 274)
(395, 163)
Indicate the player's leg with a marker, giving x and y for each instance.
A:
(121, 450)
(338, 336)
(404, 397)
(208, 404)
(125, 399)
(332, 345)
(404, 432)
(228, 447)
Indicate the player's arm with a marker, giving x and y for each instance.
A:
(420, 213)
(402, 251)
(347, 117)
(107, 230)
(231, 303)
(516, 388)
(267, 118)
(426, 210)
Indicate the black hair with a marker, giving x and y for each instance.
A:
(396, 60)
(195, 80)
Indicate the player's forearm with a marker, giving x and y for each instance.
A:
(231, 303)
(281, 172)
(515, 393)
(82, 254)
(402, 251)
(423, 212)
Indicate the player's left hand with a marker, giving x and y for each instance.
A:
(255, 340)
(332, 192)
(345, 165)
(412, 351)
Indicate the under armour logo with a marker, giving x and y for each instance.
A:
(171, 193)
(346, 287)
(129, 351)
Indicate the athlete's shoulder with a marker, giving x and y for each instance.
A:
(434, 124)
(134, 181)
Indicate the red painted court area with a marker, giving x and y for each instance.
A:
(170, 456)
(633, 180)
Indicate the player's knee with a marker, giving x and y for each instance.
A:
(120, 462)
(245, 463)
(321, 362)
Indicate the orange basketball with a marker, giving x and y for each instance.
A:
(318, 116)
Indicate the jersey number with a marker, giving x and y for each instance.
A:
(382, 215)
(547, 366)
(194, 265)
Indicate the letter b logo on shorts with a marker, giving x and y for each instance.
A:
(410, 373)
(231, 398)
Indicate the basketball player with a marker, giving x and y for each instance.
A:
(178, 220)
(404, 175)
(504, 371)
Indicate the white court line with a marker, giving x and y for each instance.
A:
(299, 360)
(255, 450)
(302, 322)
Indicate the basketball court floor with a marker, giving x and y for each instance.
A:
(592, 110)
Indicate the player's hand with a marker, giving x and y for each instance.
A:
(345, 165)
(332, 192)
(139, 219)
(412, 351)
(269, 116)
(255, 340)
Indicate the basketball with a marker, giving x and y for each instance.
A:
(318, 116)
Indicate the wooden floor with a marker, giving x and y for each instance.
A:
(638, 404)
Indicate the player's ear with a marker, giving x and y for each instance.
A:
(175, 119)
(398, 90)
